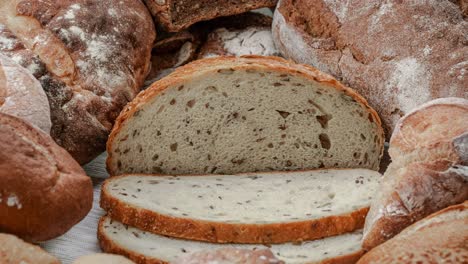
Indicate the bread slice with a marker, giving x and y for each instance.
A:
(147, 248)
(439, 238)
(230, 255)
(246, 208)
(231, 115)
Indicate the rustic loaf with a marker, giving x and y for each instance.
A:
(230, 256)
(175, 15)
(22, 95)
(15, 251)
(439, 238)
(102, 258)
(91, 57)
(44, 192)
(429, 169)
(147, 248)
(231, 115)
(397, 55)
(247, 208)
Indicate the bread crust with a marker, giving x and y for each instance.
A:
(91, 58)
(14, 250)
(162, 13)
(388, 51)
(107, 245)
(200, 67)
(427, 241)
(44, 192)
(219, 232)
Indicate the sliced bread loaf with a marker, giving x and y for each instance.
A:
(232, 115)
(246, 208)
(147, 248)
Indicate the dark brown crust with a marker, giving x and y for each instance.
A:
(162, 12)
(219, 232)
(91, 62)
(107, 245)
(51, 190)
(203, 66)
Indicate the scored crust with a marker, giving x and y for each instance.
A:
(219, 232)
(201, 67)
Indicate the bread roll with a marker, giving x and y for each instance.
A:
(91, 57)
(429, 169)
(398, 55)
(102, 258)
(439, 238)
(15, 251)
(44, 192)
(22, 95)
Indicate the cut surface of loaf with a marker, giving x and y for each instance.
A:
(439, 238)
(175, 15)
(231, 115)
(146, 248)
(230, 255)
(245, 208)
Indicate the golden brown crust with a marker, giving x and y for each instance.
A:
(44, 192)
(200, 67)
(219, 232)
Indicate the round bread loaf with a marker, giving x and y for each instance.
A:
(103, 258)
(15, 251)
(91, 57)
(44, 192)
(22, 95)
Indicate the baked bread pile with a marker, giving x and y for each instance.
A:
(231, 154)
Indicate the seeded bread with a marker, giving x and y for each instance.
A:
(398, 55)
(439, 238)
(175, 15)
(231, 115)
(22, 95)
(43, 191)
(230, 256)
(15, 251)
(147, 248)
(429, 169)
(102, 258)
(246, 208)
(91, 57)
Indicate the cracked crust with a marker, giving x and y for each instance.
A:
(44, 191)
(429, 169)
(176, 15)
(394, 75)
(74, 48)
(201, 67)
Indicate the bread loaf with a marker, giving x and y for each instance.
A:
(439, 238)
(15, 251)
(429, 169)
(44, 192)
(91, 57)
(146, 248)
(22, 95)
(262, 208)
(175, 15)
(231, 115)
(230, 256)
(398, 55)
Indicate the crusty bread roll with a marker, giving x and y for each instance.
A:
(44, 192)
(439, 238)
(230, 255)
(91, 57)
(103, 258)
(398, 55)
(429, 169)
(22, 95)
(175, 15)
(15, 251)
